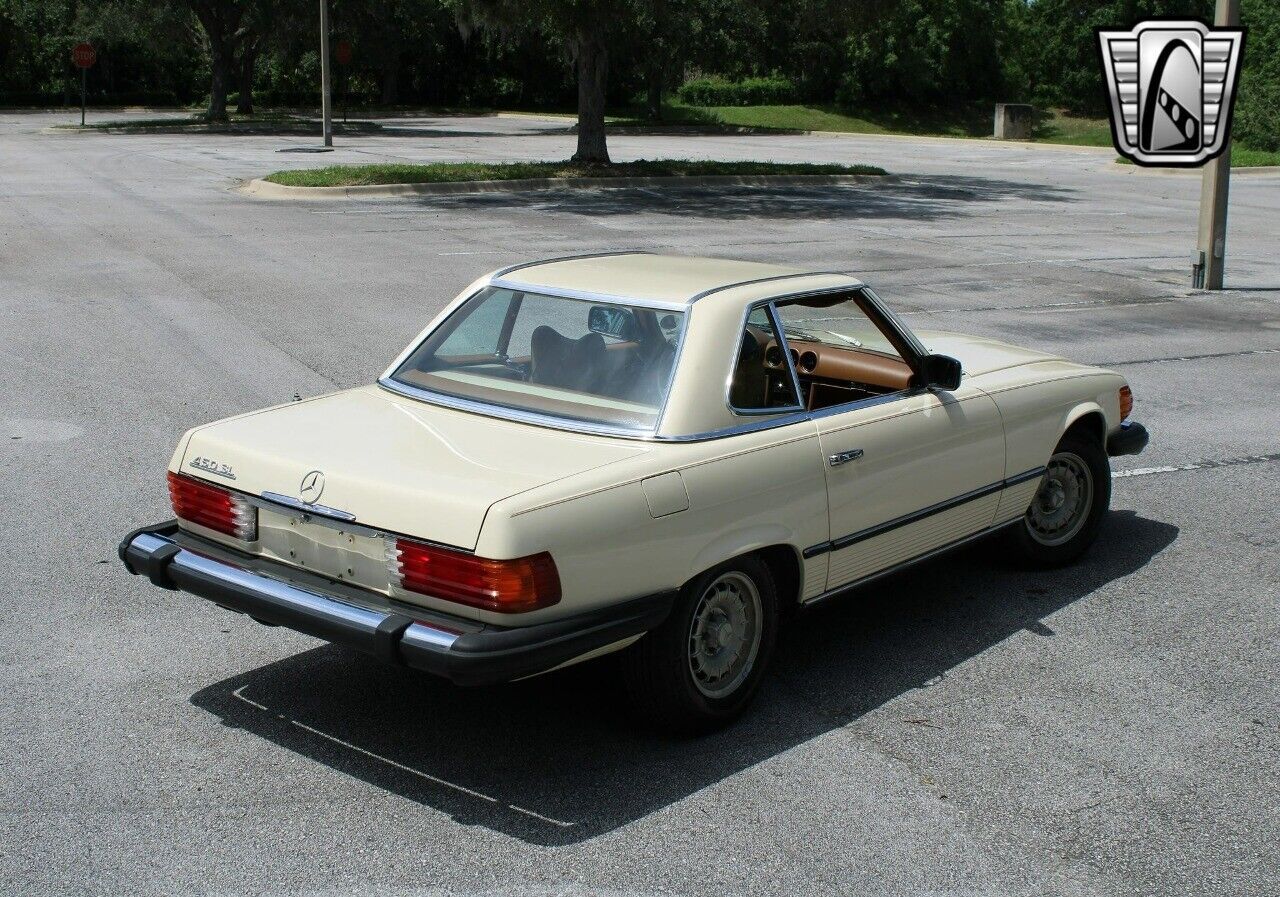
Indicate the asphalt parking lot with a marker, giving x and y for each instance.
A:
(1108, 729)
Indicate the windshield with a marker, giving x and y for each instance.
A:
(599, 362)
(841, 324)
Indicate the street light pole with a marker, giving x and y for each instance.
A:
(326, 107)
(1211, 244)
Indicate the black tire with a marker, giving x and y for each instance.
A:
(1033, 539)
(659, 670)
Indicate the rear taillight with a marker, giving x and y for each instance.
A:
(212, 506)
(1126, 402)
(512, 586)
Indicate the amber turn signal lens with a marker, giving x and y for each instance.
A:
(1126, 402)
(510, 586)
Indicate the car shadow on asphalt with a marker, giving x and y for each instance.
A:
(923, 197)
(558, 759)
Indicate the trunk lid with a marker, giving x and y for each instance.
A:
(392, 462)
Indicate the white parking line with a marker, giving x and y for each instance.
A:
(1198, 465)
(402, 767)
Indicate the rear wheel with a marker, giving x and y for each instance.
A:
(1068, 508)
(700, 668)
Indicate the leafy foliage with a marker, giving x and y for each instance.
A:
(719, 91)
(927, 58)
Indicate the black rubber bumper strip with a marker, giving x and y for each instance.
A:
(1130, 439)
(916, 516)
(465, 651)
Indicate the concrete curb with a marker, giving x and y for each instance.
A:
(264, 189)
(1235, 172)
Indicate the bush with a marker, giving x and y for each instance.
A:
(1257, 119)
(773, 90)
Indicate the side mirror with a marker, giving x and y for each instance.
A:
(618, 323)
(941, 372)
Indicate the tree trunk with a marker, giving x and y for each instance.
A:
(593, 68)
(248, 65)
(390, 83)
(220, 65)
(657, 62)
(655, 91)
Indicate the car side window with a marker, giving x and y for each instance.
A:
(761, 380)
(840, 354)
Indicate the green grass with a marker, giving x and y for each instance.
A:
(959, 121)
(446, 172)
(1242, 157)
(274, 122)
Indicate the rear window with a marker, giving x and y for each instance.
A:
(598, 362)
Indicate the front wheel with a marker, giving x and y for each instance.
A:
(700, 668)
(1068, 508)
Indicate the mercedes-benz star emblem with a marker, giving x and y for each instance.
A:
(312, 487)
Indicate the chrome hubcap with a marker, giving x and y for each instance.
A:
(1062, 503)
(724, 636)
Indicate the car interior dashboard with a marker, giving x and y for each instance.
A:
(829, 375)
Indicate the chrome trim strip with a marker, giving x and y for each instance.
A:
(422, 635)
(507, 413)
(318, 510)
(585, 295)
(916, 516)
(343, 526)
(786, 353)
(733, 366)
(786, 416)
(910, 562)
(895, 322)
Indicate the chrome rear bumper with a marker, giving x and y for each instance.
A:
(464, 651)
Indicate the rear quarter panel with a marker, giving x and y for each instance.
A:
(744, 492)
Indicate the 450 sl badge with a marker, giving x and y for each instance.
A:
(208, 465)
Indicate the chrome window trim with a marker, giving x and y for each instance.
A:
(533, 289)
(557, 423)
(766, 304)
(507, 412)
(892, 319)
(765, 418)
(786, 353)
(518, 415)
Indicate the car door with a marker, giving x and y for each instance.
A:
(907, 474)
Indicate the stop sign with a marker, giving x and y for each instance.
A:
(342, 52)
(84, 56)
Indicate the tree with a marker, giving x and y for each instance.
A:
(223, 24)
(584, 26)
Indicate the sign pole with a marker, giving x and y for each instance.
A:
(1211, 243)
(326, 106)
(83, 55)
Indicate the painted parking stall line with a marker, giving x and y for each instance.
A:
(1198, 465)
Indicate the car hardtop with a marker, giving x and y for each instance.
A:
(713, 297)
(661, 280)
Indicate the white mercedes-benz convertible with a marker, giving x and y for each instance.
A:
(654, 455)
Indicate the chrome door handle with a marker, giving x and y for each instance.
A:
(844, 457)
